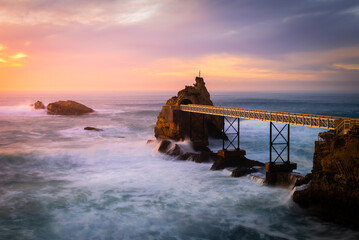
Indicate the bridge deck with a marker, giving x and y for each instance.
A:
(309, 120)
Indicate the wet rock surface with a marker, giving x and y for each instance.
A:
(242, 165)
(175, 150)
(242, 171)
(68, 108)
(333, 191)
(240, 162)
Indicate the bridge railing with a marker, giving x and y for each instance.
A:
(308, 120)
(344, 125)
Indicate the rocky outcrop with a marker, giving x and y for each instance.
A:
(39, 105)
(68, 108)
(170, 127)
(177, 151)
(93, 129)
(334, 187)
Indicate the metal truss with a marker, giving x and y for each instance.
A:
(279, 140)
(227, 131)
(308, 120)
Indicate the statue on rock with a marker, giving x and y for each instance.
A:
(172, 123)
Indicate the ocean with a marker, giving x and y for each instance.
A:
(58, 181)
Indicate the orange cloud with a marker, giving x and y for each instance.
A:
(19, 55)
(227, 66)
(347, 66)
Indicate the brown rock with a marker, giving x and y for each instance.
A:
(68, 108)
(39, 105)
(164, 146)
(334, 188)
(197, 94)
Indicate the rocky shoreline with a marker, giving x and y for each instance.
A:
(330, 191)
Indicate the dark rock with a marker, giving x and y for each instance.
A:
(175, 150)
(68, 108)
(39, 105)
(164, 146)
(93, 129)
(185, 156)
(201, 157)
(242, 171)
(304, 180)
(283, 179)
(222, 163)
(302, 195)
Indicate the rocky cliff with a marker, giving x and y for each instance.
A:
(334, 189)
(196, 94)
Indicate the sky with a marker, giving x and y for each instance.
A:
(160, 45)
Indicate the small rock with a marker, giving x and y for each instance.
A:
(93, 129)
(151, 141)
(39, 105)
(164, 145)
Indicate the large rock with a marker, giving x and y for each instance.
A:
(197, 94)
(334, 187)
(67, 108)
(39, 105)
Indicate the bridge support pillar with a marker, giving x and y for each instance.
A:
(232, 132)
(278, 144)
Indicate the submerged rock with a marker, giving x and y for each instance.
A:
(242, 171)
(334, 188)
(68, 108)
(241, 161)
(38, 105)
(93, 129)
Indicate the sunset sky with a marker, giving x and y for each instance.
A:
(159, 45)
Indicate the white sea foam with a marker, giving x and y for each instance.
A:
(21, 110)
(59, 181)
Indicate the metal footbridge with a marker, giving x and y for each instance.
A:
(279, 136)
(340, 124)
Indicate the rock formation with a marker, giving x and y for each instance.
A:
(334, 187)
(197, 94)
(38, 105)
(67, 108)
(178, 152)
(93, 129)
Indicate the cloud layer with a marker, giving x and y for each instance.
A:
(288, 45)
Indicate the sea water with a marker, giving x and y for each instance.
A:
(58, 181)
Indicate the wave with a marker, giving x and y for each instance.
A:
(20, 110)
